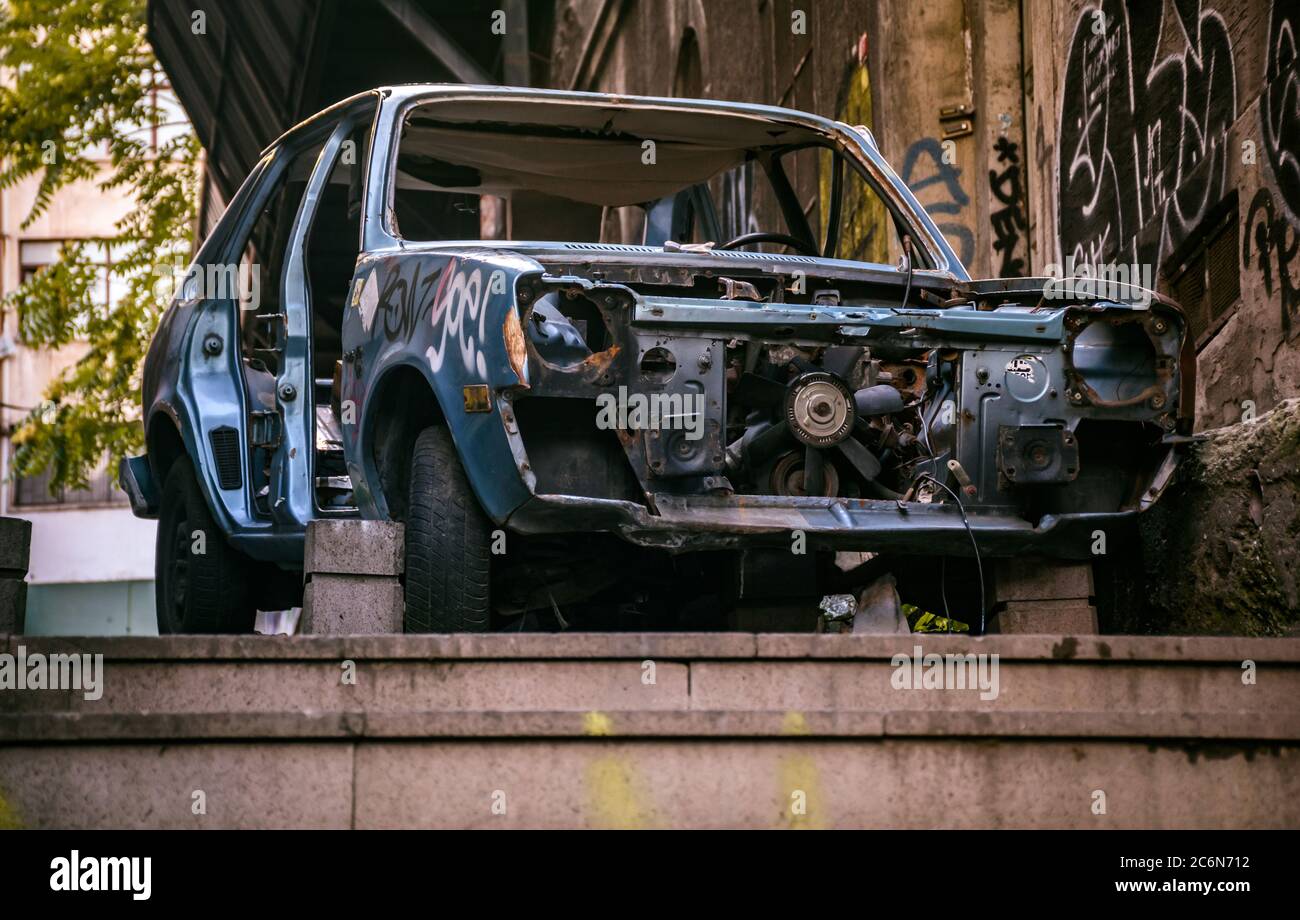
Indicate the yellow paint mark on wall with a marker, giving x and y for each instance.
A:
(800, 789)
(794, 724)
(617, 795)
(597, 723)
(866, 233)
(9, 820)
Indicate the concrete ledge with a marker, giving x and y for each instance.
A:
(83, 727)
(640, 646)
(430, 731)
(647, 783)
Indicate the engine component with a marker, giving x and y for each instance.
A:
(882, 399)
(1037, 454)
(820, 422)
(818, 409)
(790, 475)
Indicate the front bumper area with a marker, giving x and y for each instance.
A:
(136, 479)
(687, 523)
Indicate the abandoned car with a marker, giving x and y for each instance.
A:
(611, 363)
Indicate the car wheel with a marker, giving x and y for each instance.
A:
(447, 542)
(201, 581)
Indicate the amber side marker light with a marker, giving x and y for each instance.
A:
(477, 398)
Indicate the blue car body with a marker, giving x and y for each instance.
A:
(442, 330)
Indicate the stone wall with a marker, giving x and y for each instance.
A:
(1155, 124)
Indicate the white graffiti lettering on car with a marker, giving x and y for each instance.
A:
(462, 301)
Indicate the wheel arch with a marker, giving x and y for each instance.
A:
(403, 404)
(164, 445)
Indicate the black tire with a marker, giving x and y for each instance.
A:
(447, 542)
(204, 592)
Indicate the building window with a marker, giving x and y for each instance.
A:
(34, 491)
(164, 119)
(167, 119)
(1204, 274)
(34, 255)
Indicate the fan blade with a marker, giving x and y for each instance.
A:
(753, 390)
(863, 460)
(841, 359)
(765, 443)
(814, 472)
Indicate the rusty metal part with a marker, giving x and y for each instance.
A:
(738, 290)
(963, 478)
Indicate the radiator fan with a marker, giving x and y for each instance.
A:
(816, 412)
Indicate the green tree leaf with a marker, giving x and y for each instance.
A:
(79, 78)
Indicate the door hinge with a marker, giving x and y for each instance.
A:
(265, 428)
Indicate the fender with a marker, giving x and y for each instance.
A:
(443, 316)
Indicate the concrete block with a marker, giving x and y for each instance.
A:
(852, 783)
(279, 785)
(351, 605)
(351, 546)
(1036, 579)
(15, 547)
(13, 605)
(1068, 617)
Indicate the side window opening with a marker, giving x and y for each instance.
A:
(333, 245)
(263, 257)
(863, 229)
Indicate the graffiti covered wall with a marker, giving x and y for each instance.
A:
(1158, 133)
(1175, 145)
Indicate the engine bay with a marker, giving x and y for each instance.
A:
(768, 385)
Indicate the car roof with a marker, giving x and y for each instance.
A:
(541, 97)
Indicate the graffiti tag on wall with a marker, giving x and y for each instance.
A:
(1271, 235)
(937, 186)
(1279, 110)
(1149, 95)
(1009, 220)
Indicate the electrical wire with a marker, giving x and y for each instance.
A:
(943, 589)
(979, 565)
(907, 291)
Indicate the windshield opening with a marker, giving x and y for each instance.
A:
(626, 177)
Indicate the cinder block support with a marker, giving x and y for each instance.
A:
(351, 569)
(15, 550)
(1044, 596)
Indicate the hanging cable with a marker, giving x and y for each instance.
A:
(979, 565)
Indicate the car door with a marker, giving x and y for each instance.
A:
(276, 326)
